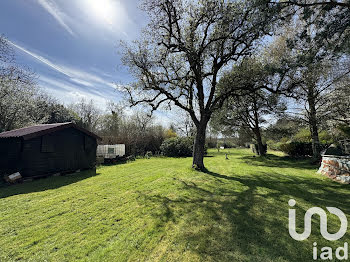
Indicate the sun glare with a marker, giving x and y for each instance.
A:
(103, 10)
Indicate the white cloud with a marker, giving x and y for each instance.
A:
(75, 75)
(82, 82)
(40, 58)
(57, 14)
(68, 93)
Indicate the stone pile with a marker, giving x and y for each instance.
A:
(336, 167)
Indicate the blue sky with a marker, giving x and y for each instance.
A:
(73, 45)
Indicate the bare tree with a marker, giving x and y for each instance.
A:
(88, 113)
(18, 90)
(187, 46)
(185, 126)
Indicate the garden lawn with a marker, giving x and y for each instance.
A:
(159, 209)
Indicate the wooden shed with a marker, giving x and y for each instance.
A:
(47, 149)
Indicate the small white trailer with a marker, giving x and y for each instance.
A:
(110, 151)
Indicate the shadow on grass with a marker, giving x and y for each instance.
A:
(246, 218)
(279, 161)
(116, 163)
(44, 183)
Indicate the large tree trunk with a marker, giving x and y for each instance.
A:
(316, 147)
(261, 151)
(199, 146)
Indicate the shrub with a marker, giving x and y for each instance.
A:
(212, 144)
(297, 149)
(177, 147)
(272, 145)
(345, 130)
(228, 145)
(325, 137)
(303, 136)
(284, 139)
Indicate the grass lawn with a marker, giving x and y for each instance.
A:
(160, 209)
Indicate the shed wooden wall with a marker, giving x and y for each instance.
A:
(62, 151)
(10, 150)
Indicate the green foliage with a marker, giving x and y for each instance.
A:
(325, 137)
(169, 133)
(303, 136)
(297, 149)
(345, 129)
(271, 144)
(301, 143)
(212, 144)
(226, 144)
(177, 147)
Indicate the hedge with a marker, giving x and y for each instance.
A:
(178, 147)
(299, 149)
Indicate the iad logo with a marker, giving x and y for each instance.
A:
(327, 252)
(323, 226)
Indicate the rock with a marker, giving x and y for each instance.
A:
(13, 178)
(344, 179)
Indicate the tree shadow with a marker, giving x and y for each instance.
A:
(279, 161)
(248, 224)
(42, 184)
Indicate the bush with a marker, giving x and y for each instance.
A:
(325, 138)
(177, 147)
(228, 145)
(345, 130)
(212, 144)
(303, 136)
(272, 144)
(297, 149)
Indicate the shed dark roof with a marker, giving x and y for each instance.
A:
(40, 130)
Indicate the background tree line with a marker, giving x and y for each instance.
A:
(24, 103)
(255, 71)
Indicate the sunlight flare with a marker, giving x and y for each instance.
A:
(103, 10)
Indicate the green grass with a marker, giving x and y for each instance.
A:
(160, 209)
